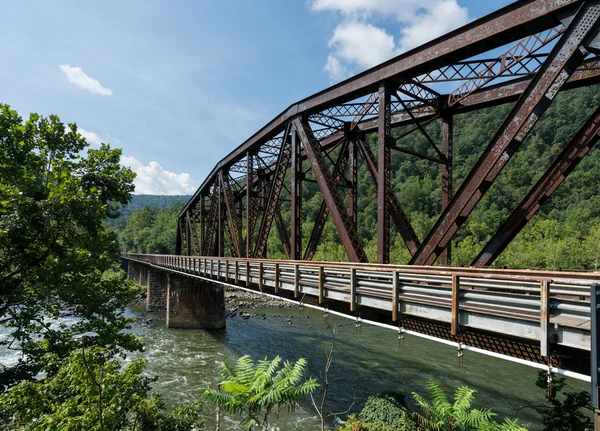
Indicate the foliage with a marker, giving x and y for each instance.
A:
(54, 249)
(149, 230)
(91, 391)
(139, 202)
(440, 414)
(384, 413)
(563, 410)
(255, 390)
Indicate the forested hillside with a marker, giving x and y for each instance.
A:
(564, 234)
(142, 201)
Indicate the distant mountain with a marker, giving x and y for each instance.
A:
(158, 201)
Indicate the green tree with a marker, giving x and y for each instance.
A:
(54, 250)
(440, 414)
(92, 392)
(255, 390)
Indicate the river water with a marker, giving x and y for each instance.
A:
(364, 364)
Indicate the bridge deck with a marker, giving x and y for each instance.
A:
(542, 310)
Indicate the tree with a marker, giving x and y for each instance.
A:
(255, 390)
(55, 253)
(441, 415)
(93, 392)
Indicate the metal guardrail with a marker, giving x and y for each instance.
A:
(543, 306)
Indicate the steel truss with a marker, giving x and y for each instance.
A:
(549, 47)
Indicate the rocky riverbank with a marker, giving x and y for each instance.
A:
(240, 302)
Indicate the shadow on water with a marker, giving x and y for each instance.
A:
(364, 364)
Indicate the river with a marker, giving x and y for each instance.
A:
(364, 364)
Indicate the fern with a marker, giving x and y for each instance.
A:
(441, 415)
(255, 390)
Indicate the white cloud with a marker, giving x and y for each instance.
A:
(78, 77)
(360, 43)
(335, 69)
(153, 179)
(91, 137)
(357, 43)
(444, 16)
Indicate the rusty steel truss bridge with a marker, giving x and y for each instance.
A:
(525, 54)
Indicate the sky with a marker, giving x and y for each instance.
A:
(179, 84)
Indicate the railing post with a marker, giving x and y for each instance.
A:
(276, 278)
(352, 289)
(260, 276)
(296, 279)
(455, 321)
(227, 270)
(544, 317)
(236, 277)
(595, 346)
(321, 282)
(394, 296)
(247, 274)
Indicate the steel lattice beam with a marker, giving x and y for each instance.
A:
(566, 55)
(331, 195)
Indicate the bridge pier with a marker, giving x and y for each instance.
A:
(194, 303)
(156, 290)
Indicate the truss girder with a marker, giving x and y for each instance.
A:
(272, 203)
(331, 195)
(579, 146)
(566, 56)
(323, 214)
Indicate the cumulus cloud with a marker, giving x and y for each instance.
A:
(91, 137)
(153, 179)
(77, 76)
(358, 43)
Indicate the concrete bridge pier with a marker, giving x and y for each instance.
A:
(156, 290)
(194, 303)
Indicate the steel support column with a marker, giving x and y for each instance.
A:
(447, 144)
(384, 189)
(296, 199)
(567, 54)
(331, 194)
(352, 182)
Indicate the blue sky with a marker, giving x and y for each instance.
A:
(178, 84)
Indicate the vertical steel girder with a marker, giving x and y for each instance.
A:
(296, 199)
(202, 221)
(337, 177)
(220, 220)
(272, 202)
(353, 182)
(210, 245)
(579, 146)
(566, 55)
(234, 225)
(447, 144)
(192, 237)
(330, 192)
(398, 215)
(384, 185)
